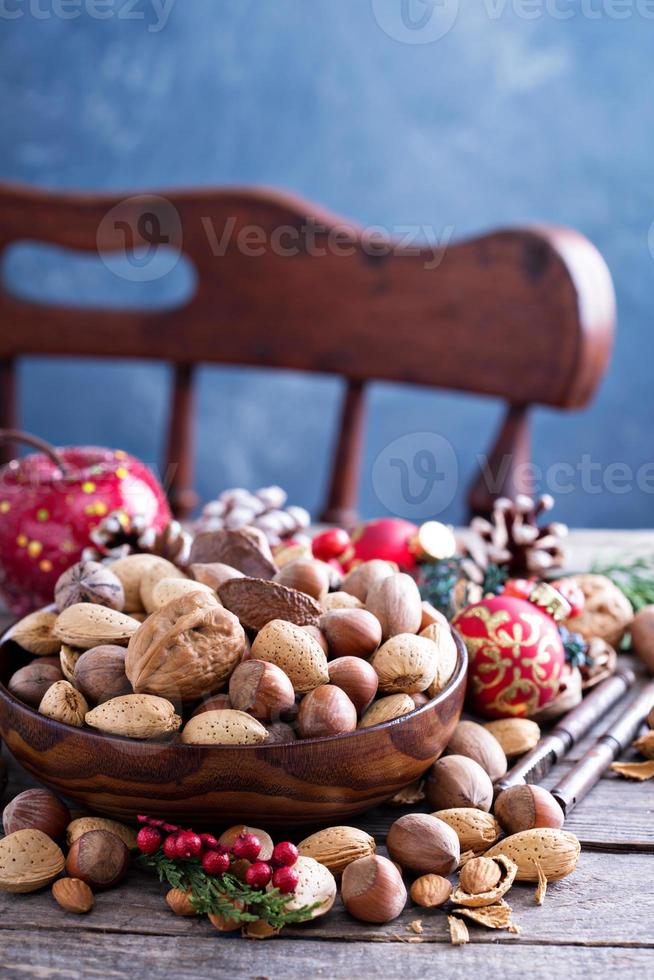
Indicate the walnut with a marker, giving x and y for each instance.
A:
(89, 581)
(185, 650)
(607, 612)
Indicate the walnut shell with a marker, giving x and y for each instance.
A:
(187, 649)
(89, 581)
(607, 612)
(257, 602)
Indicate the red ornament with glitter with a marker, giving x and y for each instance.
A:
(389, 538)
(516, 656)
(50, 502)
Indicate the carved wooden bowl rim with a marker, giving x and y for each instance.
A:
(298, 745)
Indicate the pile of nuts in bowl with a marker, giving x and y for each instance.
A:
(233, 650)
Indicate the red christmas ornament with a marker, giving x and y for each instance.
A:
(390, 538)
(49, 504)
(330, 544)
(516, 656)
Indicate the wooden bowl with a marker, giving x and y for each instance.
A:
(316, 781)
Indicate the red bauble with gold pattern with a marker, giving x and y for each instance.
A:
(389, 538)
(516, 656)
(47, 514)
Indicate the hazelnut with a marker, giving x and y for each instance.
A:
(99, 858)
(479, 875)
(356, 677)
(431, 891)
(262, 689)
(525, 807)
(642, 636)
(351, 632)
(280, 732)
(372, 889)
(457, 781)
(100, 673)
(30, 683)
(476, 742)
(179, 902)
(361, 579)
(318, 635)
(219, 702)
(36, 809)
(327, 710)
(424, 844)
(73, 895)
(228, 837)
(89, 581)
(306, 575)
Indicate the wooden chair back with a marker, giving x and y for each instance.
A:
(523, 314)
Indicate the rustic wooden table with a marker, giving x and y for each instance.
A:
(599, 922)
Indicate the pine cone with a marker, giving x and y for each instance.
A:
(116, 536)
(512, 539)
(173, 543)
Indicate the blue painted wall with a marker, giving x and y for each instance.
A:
(517, 113)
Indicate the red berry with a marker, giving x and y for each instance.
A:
(330, 544)
(258, 874)
(187, 845)
(148, 840)
(170, 828)
(286, 879)
(142, 818)
(518, 588)
(284, 854)
(247, 846)
(215, 863)
(170, 846)
(210, 842)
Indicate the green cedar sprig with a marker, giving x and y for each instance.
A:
(634, 576)
(215, 895)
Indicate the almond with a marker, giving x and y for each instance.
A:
(515, 735)
(130, 570)
(336, 847)
(386, 709)
(73, 895)
(447, 656)
(29, 860)
(168, 589)
(351, 632)
(35, 633)
(295, 652)
(555, 852)
(405, 664)
(396, 603)
(226, 727)
(316, 885)
(86, 625)
(476, 829)
(83, 825)
(68, 657)
(152, 575)
(340, 600)
(64, 703)
(139, 716)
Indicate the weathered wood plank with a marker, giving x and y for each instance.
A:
(607, 901)
(82, 956)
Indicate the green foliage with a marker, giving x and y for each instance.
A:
(635, 577)
(216, 895)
